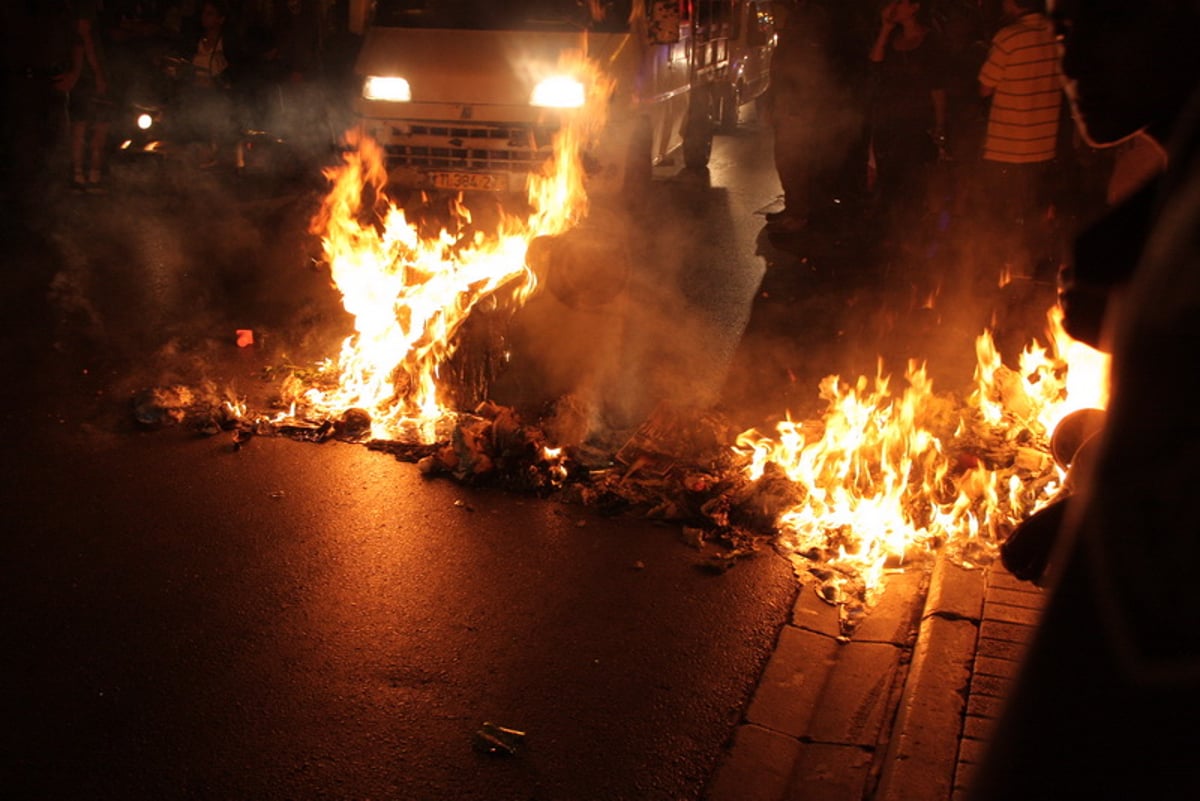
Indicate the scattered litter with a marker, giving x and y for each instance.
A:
(208, 427)
(355, 424)
(678, 467)
(162, 406)
(721, 561)
(278, 495)
(498, 740)
(240, 437)
(692, 536)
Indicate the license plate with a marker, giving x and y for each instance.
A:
(483, 181)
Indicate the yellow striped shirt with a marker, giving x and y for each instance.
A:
(1022, 67)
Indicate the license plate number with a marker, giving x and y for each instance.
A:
(487, 182)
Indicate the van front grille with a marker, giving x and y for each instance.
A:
(453, 146)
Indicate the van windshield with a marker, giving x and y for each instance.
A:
(609, 16)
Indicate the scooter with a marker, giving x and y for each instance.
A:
(142, 126)
(153, 129)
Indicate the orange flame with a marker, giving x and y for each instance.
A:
(1049, 385)
(870, 473)
(410, 294)
(876, 483)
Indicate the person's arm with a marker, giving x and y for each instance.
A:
(87, 39)
(879, 50)
(992, 71)
(66, 81)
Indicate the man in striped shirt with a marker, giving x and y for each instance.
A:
(1022, 78)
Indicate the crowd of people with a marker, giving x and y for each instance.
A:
(1062, 137)
(1088, 108)
(222, 64)
(938, 118)
(1118, 637)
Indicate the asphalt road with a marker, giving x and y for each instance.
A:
(289, 620)
(297, 621)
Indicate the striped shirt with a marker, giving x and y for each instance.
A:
(1022, 67)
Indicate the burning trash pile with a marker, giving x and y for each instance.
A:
(884, 479)
(881, 479)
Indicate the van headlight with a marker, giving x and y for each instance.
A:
(559, 91)
(385, 87)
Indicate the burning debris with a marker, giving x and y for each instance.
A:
(205, 408)
(879, 481)
(410, 290)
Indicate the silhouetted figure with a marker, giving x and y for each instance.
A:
(1021, 77)
(297, 32)
(294, 60)
(90, 102)
(38, 38)
(966, 50)
(810, 111)
(1105, 699)
(206, 106)
(339, 49)
(908, 111)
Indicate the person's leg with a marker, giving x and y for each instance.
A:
(791, 163)
(96, 155)
(1025, 212)
(1004, 211)
(78, 147)
(903, 181)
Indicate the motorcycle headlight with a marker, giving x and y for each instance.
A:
(386, 87)
(558, 91)
(144, 121)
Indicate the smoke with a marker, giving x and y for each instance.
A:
(147, 285)
(633, 310)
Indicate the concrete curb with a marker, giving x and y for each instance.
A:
(974, 629)
(823, 703)
(923, 752)
(901, 711)
(1011, 609)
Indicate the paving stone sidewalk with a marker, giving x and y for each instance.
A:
(901, 710)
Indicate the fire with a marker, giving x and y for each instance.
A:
(882, 476)
(877, 484)
(1050, 383)
(870, 474)
(410, 294)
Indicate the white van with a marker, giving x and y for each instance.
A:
(452, 88)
